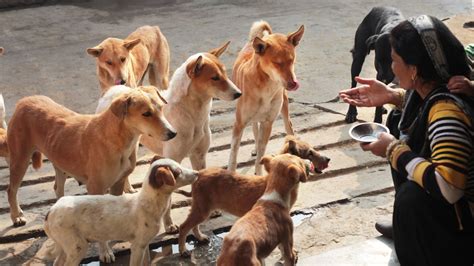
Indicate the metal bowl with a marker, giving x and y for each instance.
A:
(367, 132)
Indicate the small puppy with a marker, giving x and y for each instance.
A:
(98, 150)
(126, 61)
(263, 70)
(73, 221)
(268, 224)
(234, 193)
(373, 33)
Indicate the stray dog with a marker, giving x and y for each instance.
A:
(76, 220)
(373, 33)
(235, 193)
(125, 62)
(98, 150)
(263, 70)
(268, 224)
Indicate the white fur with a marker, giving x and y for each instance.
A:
(3, 112)
(109, 96)
(274, 196)
(180, 82)
(76, 220)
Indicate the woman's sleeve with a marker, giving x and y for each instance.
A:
(450, 134)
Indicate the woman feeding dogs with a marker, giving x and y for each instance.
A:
(433, 160)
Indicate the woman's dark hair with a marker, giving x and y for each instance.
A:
(407, 43)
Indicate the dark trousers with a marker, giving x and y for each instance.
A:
(426, 230)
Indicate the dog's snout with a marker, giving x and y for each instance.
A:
(171, 134)
(237, 95)
(122, 82)
(327, 159)
(293, 85)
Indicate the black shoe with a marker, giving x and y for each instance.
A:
(385, 228)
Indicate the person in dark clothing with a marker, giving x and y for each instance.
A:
(433, 161)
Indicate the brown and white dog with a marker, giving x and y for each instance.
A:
(126, 61)
(98, 150)
(76, 220)
(264, 70)
(268, 224)
(234, 193)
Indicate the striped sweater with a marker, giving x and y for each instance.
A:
(444, 174)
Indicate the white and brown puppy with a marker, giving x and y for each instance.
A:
(98, 150)
(264, 71)
(234, 193)
(74, 221)
(126, 61)
(268, 224)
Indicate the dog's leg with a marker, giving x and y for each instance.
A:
(255, 136)
(106, 254)
(76, 250)
(285, 114)
(358, 57)
(263, 137)
(197, 215)
(59, 182)
(170, 227)
(60, 260)
(198, 156)
(19, 164)
(137, 253)
(235, 144)
(158, 76)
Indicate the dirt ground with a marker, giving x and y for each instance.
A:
(45, 54)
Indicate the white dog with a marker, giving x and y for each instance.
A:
(189, 100)
(76, 220)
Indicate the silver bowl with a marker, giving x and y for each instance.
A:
(367, 132)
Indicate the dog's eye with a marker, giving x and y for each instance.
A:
(216, 78)
(122, 59)
(147, 114)
(109, 62)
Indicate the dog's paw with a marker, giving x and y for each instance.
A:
(186, 254)
(106, 255)
(172, 229)
(351, 118)
(203, 239)
(19, 221)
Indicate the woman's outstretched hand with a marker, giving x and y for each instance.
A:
(371, 93)
(379, 147)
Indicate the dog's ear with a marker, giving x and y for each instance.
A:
(218, 51)
(95, 51)
(160, 96)
(296, 174)
(266, 160)
(292, 147)
(160, 176)
(130, 44)
(295, 37)
(194, 68)
(259, 45)
(156, 158)
(119, 107)
(370, 42)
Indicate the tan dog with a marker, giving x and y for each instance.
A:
(235, 193)
(126, 61)
(264, 70)
(268, 224)
(98, 150)
(76, 220)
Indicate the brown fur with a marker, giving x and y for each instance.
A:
(234, 193)
(263, 70)
(268, 224)
(98, 150)
(128, 60)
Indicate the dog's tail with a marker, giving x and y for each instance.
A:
(37, 160)
(259, 29)
(3, 113)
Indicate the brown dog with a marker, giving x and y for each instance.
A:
(264, 70)
(126, 61)
(268, 224)
(235, 193)
(98, 150)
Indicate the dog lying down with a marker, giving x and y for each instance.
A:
(268, 224)
(74, 221)
(235, 193)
